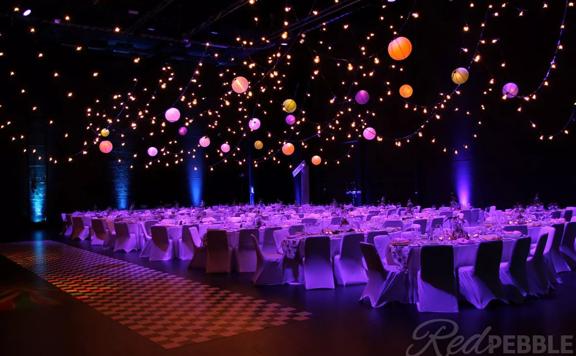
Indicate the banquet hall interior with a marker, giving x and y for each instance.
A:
(264, 177)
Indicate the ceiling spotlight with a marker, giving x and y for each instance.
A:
(27, 12)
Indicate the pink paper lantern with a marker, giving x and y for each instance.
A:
(204, 141)
(362, 97)
(510, 90)
(225, 148)
(290, 119)
(105, 147)
(172, 115)
(182, 131)
(152, 151)
(254, 124)
(240, 85)
(369, 133)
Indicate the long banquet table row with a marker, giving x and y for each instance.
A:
(428, 257)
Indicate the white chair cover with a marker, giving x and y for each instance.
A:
(514, 274)
(348, 266)
(218, 252)
(161, 246)
(269, 269)
(437, 287)
(480, 284)
(383, 286)
(318, 263)
(246, 253)
(126, 240)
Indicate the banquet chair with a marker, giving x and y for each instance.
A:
(556, 214)
(193, 239)
(296, 229)
(480, 284)
(185, 246)
(161, 246)
(467, 214)
(125, 239)
(437, 286)
(67, 225)
(336, 220)
(269, 270)
(446, 213)
(371, 234)
(393, 224)
(309, 221)
(568, 214)
(567, 246)
(246, 253)
(268, 242)
(381, 243)
(476, 215)
(383, 285)
(541, 279)
(218, 252)
(317, 263)
(102, 235)
(553, 256)
(348, 266)
(422, 223)
(437, 222)
(523, 229)
(514, 274)
(146, 237)
(79, 230)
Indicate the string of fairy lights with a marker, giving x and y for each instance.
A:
(235, 117)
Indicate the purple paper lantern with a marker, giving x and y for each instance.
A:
(510, 90)
(254, 124)
(369, 133)
(362, 97)
(182, 131)
(152, 151)
(172, 115)
(290, 119)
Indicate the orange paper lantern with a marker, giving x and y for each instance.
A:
(406, 91)
(316, 160)
(288, 149)
(400, 48)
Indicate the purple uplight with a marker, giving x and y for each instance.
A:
(463, 181)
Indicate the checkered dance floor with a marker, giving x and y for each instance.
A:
(169, 310)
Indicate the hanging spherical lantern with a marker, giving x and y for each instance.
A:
(369, 133)
(510, 90)
(104, 132)
(399, 48)
(460, 75)
(204, 141)
(105, 146)
(289, 106)
(254, 124)
(362, 97)
(258, 144)
(183, 131)
(316, 160)
(152, 151)
(288, 149)
(406, 91)
(290, 119)
(225, 148)
(240, 84)
(172, 115)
